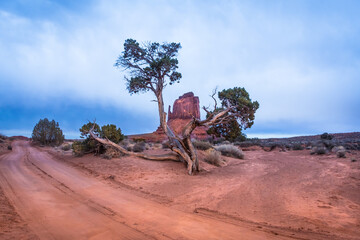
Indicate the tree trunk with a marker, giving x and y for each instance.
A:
(182, 146)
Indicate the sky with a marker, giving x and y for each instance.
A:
(299, 59)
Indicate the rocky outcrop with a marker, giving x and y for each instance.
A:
(185, 107)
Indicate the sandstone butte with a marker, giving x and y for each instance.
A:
(184, 108)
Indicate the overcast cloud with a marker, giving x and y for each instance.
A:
(299, 59)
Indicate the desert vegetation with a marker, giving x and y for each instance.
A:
(153, 66)
(90, 145)
(47, 133)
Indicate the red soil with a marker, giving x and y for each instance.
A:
(268, 195)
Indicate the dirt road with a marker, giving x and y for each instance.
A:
(60, 202)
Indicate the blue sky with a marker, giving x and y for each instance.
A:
(299, 59)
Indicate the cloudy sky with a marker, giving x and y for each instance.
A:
(299, 59)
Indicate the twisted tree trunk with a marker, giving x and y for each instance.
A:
(181, 144)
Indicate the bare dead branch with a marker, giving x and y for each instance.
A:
(107, 142)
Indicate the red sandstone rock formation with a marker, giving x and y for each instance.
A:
(185, 107)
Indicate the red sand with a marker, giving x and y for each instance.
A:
(268, 195)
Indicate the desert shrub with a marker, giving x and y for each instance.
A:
(112, 133)
(9, 147)
(47, 133)
(338, 148)
(297, 146)
(326, 136)
(350, 146)
(66, 147)
(270, 146)
(201, 145)
(139, 140)
(139, 147)
(230, 151)
(111, 153)
(329, 144)
(318, 150)
(78, 148)
(341, 154)
(90, 145)
(213, 157)
(125, 143)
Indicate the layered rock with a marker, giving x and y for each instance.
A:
(185, 108)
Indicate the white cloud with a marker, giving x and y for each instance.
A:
(278, 56)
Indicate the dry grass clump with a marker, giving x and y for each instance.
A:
(340, 151)
(318, 150)
(230, 151)
(201, 145)
(66, 147)
(213, 157)
(139, 147)
(341, 154)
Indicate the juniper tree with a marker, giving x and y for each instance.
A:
(153, 66)
(47, 132)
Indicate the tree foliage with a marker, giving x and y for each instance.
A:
(152, 66)
(240, 117)
(47, 132)
(149, 65)
(112, 133)
(90, 145)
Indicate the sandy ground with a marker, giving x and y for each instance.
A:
(268, 195)
(12, 226)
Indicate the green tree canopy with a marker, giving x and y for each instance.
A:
(84, 130)
(149, 65)
(47, 132)
(112, 133)
(241, 114)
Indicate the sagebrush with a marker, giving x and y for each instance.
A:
(230, 151)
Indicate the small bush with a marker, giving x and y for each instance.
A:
(9, 147)
(230, 151)
(137, 140)
(78, 148)
(66, 147)
(326, 136)
(297, 146)
(318, 150)
(111, 153)
(338, 148)
(201, 145)
(213, 157)
(341, 154)
(139, 147)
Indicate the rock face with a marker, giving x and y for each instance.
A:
(185, 107)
